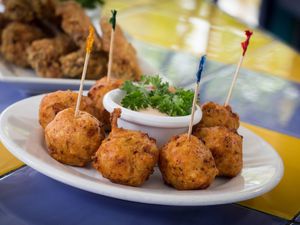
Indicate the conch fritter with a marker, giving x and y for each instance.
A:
(187, 164)
(96, 94)
(73, 140)
(57, 101)
(226, 148)
(125, 156)
(218, 115)
(16, 37)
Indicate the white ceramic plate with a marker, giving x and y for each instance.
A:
(22, 135)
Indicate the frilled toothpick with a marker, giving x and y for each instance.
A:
(112, 21)
(198, 76)
(244, 47)
(89, 45)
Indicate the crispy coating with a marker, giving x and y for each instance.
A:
(43, 55)
(73, 140)
(3, 22)
(72, 64)
(125, 156)
(28, 10)
(125, 64)
(16, 37)
(44, 9)
(76, 23)
(226, 147)
(187, 164)
(217, 115)
(96, 94)
(19, 10)
(55, 102)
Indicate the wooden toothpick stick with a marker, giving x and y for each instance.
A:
(89, 44)
(113, 22)
(198, 75)
(244, 46)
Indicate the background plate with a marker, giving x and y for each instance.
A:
(23, 136)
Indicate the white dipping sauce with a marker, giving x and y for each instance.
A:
(152, 111)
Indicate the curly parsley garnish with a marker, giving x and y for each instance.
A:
(152, 92)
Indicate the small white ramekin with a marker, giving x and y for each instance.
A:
(162, 128)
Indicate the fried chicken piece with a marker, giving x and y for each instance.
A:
(18, 10)
(125, 156)
(125, 64)
(226, 147)
(72, 64)
(57, 101)
(44, 9)
(43, 55)
(28, 10)
(3, 22)
(187, 164)
(217, 115)
(16, 37)
(76, 23)
(73, 140)
(96, 94)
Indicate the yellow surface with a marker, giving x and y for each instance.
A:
(198, 26)
(283, 200)
(7, 161)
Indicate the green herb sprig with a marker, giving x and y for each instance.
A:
(151, 91)
(90, 4)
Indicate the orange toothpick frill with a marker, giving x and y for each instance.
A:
(90, 39)
(89, 45)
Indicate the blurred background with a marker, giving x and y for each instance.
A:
(279, 17)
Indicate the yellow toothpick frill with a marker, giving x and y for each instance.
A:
(90, 39)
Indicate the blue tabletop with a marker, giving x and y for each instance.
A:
(30, 198)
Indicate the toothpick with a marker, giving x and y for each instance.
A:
(198, 76)
(234, 80)
(193, 110)
(244, 46)
(112, 21)
(89, 44)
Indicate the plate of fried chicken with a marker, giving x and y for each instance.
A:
(42, 46)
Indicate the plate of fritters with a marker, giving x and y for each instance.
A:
(43, 46)
(259, 170)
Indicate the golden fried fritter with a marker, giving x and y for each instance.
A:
(96, 94)
(19, 10)
(43, 55)
(217, 115)
(125, 64)
(73, 140)
(72, 64)
(55, 102)
(125, 156)
(76, 23)
(226, 148)
(187, 164)
(16, 37)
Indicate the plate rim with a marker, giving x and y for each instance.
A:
(130, 194)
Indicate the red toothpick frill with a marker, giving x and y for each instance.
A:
(246, 42)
